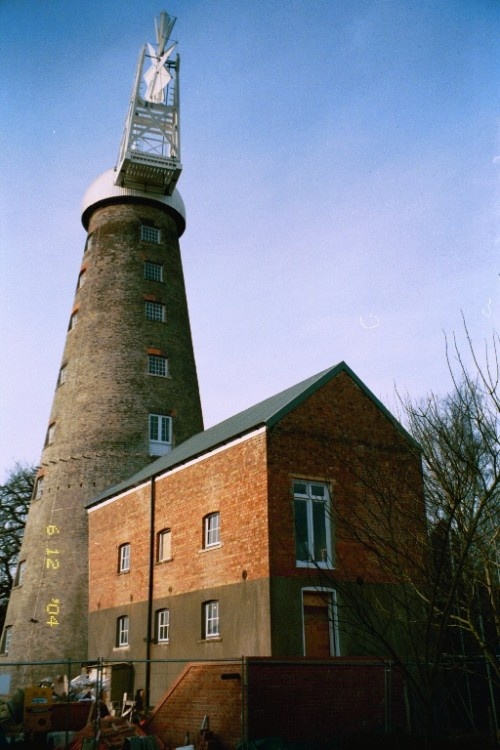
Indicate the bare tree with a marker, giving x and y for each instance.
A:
(428, 592)
(15, 497)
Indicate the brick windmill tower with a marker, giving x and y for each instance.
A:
(127, 390)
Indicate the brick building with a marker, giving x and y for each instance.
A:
(243, 540)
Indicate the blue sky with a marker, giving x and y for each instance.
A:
(340, 177)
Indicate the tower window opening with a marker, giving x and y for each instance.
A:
(51, 433)
(157, 365)
(39, 488)
(21, 570)
(153, 271)
(150, 234)
(73, 320)
(160, 434)
(7, 637)
(88, 244)
(62, 375)
(155, 311)
(81, 280)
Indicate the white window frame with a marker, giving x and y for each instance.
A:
(164, 545)
(211, 619)
(157, 366)
(163, 625)
(312, 501)
(122, 631)
(150, 234)
(160, 434)
(154, 311)
(124, 558)
(153, 271)
(331, 602)
(211, 530)
(6, 639)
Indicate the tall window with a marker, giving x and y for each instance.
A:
(313, 538)
(62, 375)
(150, 234)
(73, 320)
(124, 558)
(210, 619)
(155, 311)
(7, 637)
(162, 625)
(39, 488)
(153, 271)
(81, 280)
(21, 570)
(164, 546)
(51, 433)
(122, 631)
(160, 435)
(211, 530)
(157, 365)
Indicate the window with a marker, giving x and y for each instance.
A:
(73, 320)
(155, 311)
(122, 628)
(124, 558)
(164, 546)
(153, 271)
(88, 244)
(211, 530)
(21, 569)
(50, 433)
(160, 435)
(81, 280)
(211, 619)
(157, 365)
(162, 625)
(313, 543)
(39, 488)
(7, 637)
(62, 375)
(150, 234)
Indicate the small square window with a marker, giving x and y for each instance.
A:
(157, 365)
(153, 271)
(124, 558)
(211, 530)
(122, 631)
(155, 311)
(164, 547)
(162, 625)
(211, 619)
(7, 637)
(150, 234)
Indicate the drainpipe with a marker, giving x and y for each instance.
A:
(149, 639)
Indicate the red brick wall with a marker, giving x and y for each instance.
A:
(201, 690)
(299, 701)
(341, 437)
(322, 701)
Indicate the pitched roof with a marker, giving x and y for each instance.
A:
(264, 414)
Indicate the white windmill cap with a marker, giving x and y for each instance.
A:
(103, 191)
